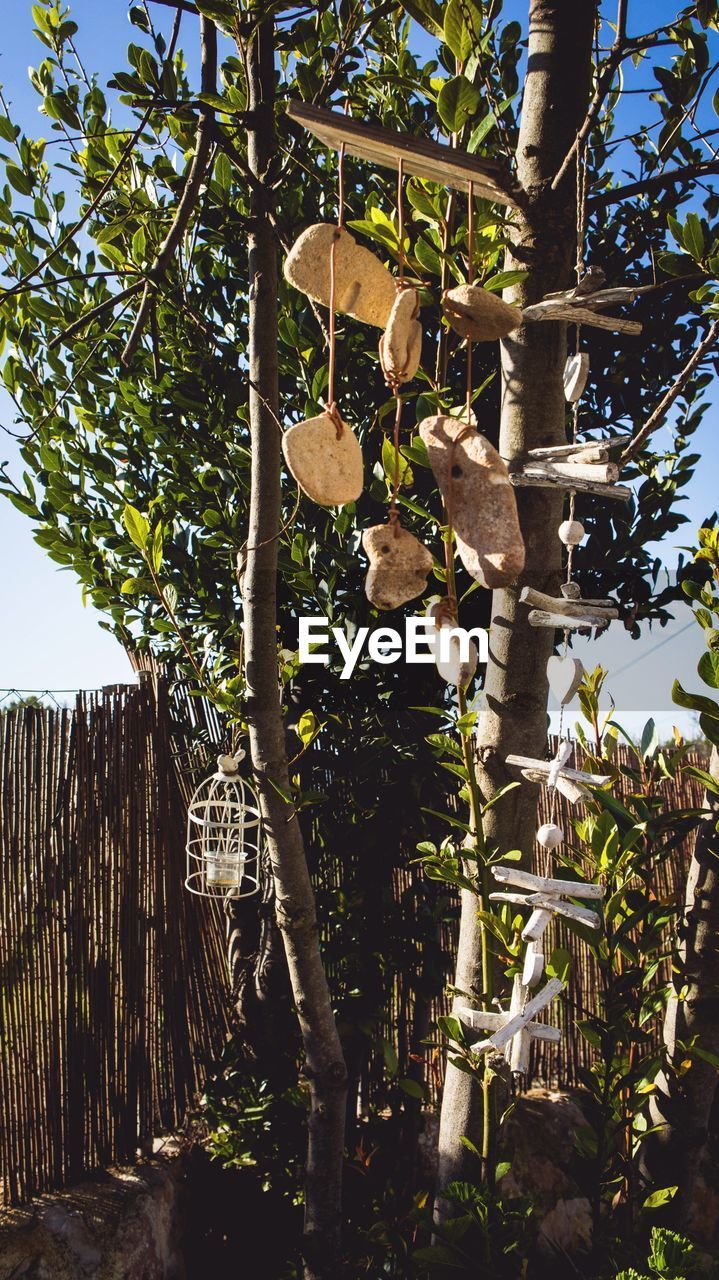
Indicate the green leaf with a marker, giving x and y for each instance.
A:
(156, 550)
(307, 727)
(694, 701)
(504, 279)
(451, 1027)
(20, 180)
(137, 526)
(559, 964)
(462, 27)
(457, 102)
(660, 1197)
(428, 13)
(412, 1088)
(708, 668)
(389, 1053)
(694, 241)
(8, 131)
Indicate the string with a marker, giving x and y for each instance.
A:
(331, 406)
(394, 384)
(581, 202)
(448, 607)
(470, 281)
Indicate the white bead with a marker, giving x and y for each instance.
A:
(571, 532)
(550, 835)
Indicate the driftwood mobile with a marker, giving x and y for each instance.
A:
(477, 488)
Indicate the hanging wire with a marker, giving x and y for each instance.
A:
(581, 203)
(394, 383)
(331, 406)
(447, 608)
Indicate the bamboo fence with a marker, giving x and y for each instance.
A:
(114, 997)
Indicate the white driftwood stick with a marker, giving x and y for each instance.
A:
(565, 622)
(598, 473)
(479, 1020)
(557, 309)
(578, 449)
(582, 295)
(517, 1051)
(543, 903)
(564, 751)
(582, 915)
(536, 925)
(533, 964)
(535, 475)
(576, 775)
(576, 608)
(572, 791)
(545, 884)
(521, 1020)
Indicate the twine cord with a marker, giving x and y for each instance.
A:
(331, 405)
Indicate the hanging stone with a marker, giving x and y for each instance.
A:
(482, 501)
(576, 372)
(325, 462)
(570, 532)
(364, 287)
(550, 835)
(400, 347)
(398, 565)
(453, 668)
(479, 314)
(565, 676)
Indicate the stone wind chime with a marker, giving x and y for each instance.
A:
(324, 456)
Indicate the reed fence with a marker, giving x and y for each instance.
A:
(114, 996)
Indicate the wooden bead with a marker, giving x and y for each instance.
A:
(570, 590)
(571, 532)
(550, 835)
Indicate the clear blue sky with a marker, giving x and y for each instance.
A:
(51, 641)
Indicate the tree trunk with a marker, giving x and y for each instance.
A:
(514, 716)
(683, 1152)
(325, 1068)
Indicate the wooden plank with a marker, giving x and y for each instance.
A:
(434, 161)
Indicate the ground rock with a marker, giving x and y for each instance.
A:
(540, 1136)
(124, 1226)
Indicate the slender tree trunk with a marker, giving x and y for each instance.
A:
(514, 718)
(684, 1150)
(325, 1068)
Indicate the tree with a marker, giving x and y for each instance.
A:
(141, 358)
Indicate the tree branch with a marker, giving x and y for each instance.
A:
(188, 199)
(180, 5)
(621, 49)
(70, 235)
(655, 182)
(95, 312)
(656, 418)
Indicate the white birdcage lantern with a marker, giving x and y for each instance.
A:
(224, 835)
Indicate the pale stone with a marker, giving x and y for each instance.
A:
(570, 532)
(326, 466)
(484, 508)
(400, 347)
(399, 565)
(479, 314)
(364, 287)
